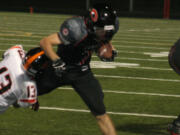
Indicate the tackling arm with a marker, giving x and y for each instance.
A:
(47, 45)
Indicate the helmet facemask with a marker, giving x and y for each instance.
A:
(104, 22)
(104, 34)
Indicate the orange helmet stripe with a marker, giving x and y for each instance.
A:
(31, 59)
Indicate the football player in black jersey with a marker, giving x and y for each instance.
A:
(174, 62)
(77, 39)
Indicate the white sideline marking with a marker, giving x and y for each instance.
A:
(20, 35)
(140, 59)
(152, 68)
(23, 32)
(38, 16)
(141, 93)
(160, 54)
(155, 29)
(100, 64)
(145, 30)
(140, 47)
(130, 93)
(28, 40)
(30, 30)
(113, 113)
(145, 37)
(143, 43)
(138, 78)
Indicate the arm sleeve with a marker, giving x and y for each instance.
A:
(116, 25)
(73, 31)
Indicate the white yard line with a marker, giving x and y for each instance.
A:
(35, 15)
(20, 35)
(140, 47)
(137, 78)
(15, 39)
(130, 93)
(30, 30)
(150, 68)
(142, 43)
(140, 59)
(148, 38)
(113, 113)
(100, 64)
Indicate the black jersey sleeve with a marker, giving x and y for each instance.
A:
(116, 25)
(73, 31)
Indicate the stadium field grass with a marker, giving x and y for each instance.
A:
(142, 98)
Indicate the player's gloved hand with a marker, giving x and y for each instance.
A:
(59, 67)
(35, 106)
(114, 54)
(16, 105)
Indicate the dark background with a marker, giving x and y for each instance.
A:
(142, 8)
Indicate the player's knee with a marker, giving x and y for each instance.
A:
(101, 117)
(98, 110)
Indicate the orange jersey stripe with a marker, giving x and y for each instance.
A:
(31, 59)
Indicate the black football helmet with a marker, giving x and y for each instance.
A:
(103, 18)
(35, 61)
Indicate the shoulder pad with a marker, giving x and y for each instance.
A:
(14, 51)
(73, 30)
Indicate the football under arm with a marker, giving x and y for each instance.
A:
(107, 52)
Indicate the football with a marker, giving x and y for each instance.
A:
(105, 51)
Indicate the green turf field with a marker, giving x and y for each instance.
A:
(142, 93)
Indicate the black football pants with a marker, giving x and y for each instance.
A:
(84, 83)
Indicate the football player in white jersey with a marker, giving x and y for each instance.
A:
(16, 79)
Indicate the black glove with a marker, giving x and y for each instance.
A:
(114, 54)
(59, 67)
(16, 105)
(35, 106)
